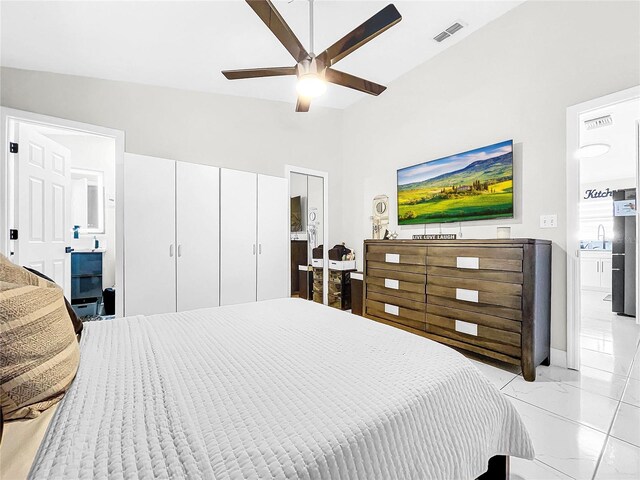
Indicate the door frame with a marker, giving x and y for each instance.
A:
(8, 118)
(573, 217)
(288, 170)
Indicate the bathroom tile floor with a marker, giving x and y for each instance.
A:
(584, 424)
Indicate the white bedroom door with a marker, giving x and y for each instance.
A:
(44, 206)
(273, 232)
(149, 228)
(198, 235)
(238, 246)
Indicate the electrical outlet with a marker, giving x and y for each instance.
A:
(548, 221)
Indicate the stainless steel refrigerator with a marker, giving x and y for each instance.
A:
(624, 252)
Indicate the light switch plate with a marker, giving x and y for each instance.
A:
(549, 221)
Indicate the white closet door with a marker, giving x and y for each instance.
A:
(149, 235)
(198, 235)
(273, 229)
(238, 249)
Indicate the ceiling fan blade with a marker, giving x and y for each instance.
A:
(303, 104)
(351, 81)
(380, 22)
(258, 72)
(272, 19)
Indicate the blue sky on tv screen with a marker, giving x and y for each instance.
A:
(434, 168)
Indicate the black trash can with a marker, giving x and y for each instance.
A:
(109, 299)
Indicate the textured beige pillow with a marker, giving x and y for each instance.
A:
(39, 354)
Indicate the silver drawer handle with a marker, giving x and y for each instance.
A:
(391, 309)
(467, 295)
(468, 262)
(171, 250)
(392, 258)
(389, 283)
(466, 327)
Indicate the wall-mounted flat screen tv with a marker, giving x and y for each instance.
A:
(474, 185)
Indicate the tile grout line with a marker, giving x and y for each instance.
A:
(606, 441)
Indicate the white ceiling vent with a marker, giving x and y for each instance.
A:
(598, 122)
(447, 32)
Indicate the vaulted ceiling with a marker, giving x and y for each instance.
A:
(185, 44)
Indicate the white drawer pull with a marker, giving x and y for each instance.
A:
(391, 309)
(466, 327)
(389, 283)
(392, 257)
(468, 262)
(467, 295)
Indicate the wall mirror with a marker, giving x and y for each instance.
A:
(87, 200)
(307, 233)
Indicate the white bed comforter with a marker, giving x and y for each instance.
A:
(279, 389)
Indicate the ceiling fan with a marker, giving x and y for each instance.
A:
(313, 71)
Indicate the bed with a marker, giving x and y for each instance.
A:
(278, 389)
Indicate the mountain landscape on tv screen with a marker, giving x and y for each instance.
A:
(481, 190)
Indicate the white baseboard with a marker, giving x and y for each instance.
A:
(558, 358)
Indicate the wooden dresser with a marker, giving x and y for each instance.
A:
(489, 297)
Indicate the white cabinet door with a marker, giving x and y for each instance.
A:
(197, 230)
(44, 206)
(590, 272)
(273, 225)
(605, 273)
(238, 249)
(149, 235)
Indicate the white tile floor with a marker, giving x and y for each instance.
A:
(586, 424)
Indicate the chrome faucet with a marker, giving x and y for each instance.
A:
(604, 238)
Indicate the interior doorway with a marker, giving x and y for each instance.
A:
(62, 215)
(602, 268)
(308, 212)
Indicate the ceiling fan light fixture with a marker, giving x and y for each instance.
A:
(593, 150)
(311, 85)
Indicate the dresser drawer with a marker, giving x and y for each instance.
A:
(400, 275)
(397, 259)
(414, 250)
(419, 269)
(491, 275)
(475, 316)
(493, 310)
(474, 331)
(476, 285)
(475, 297)
(395, 284)
(404, 316)
(418, 297)
(477, 258)
(396, 301)
(475, 340)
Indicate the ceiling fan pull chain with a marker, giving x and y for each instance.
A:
(311, 27)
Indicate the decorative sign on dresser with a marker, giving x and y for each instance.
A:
(489, 297)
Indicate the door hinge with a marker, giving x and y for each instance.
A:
(13, 234)
(13, 147)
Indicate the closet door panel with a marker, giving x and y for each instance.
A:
(273, 227)
(197, 236)
(238, 249)
(149, 235)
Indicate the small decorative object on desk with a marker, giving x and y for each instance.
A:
(390, 235)
(504, 232)
(436, 236)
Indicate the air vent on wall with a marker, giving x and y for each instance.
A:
(598, 122)
(456, 27)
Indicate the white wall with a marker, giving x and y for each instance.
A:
(234, 132)
(512, 79)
